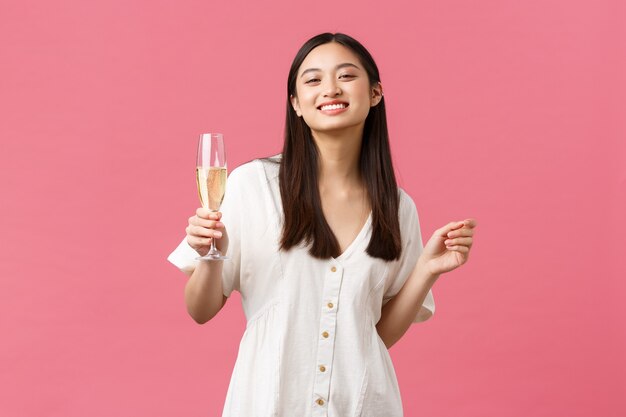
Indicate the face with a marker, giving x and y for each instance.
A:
(333, 91)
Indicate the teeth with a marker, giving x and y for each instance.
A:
(334, 106)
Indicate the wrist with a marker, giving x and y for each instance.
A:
(424, 272)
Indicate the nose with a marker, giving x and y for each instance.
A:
(332, 89)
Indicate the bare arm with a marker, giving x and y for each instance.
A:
(204, 295)
(203, 292)
(447, 249)
(399, 312)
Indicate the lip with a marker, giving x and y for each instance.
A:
(334, 111)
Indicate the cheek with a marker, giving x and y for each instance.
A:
(362, 96)
(307, 102)
(363, 105)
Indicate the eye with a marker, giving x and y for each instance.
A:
(347, 76)
(312, 80)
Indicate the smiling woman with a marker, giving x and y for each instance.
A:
(322, 260)
(332, 90)
(336, 112)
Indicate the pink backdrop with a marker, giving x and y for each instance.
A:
(511, 112)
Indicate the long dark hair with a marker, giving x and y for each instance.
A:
(299, 190)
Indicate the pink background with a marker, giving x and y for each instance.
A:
(511, 112)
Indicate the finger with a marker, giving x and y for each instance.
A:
(205, 241)
(203, 232)
(466, 241)
(448, 228)
(198, 242)
(462, 228)
(208, 214)
(209, 224)
(461, 232)
(458, 248)
(471, 223)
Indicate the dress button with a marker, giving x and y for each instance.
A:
(330, 305)
(322, 368)
(320, 401)
(333, 269)
(325, 334)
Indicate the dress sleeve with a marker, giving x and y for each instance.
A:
(184, 256)
(412, 248)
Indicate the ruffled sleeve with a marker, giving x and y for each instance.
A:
(184, 256)
(412, 248)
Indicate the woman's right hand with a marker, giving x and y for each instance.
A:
(203, 227)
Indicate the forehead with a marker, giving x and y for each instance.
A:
(328, 56)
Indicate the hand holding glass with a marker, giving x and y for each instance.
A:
(211, 179)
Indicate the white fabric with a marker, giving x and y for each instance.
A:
(292, 329)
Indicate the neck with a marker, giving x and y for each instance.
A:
(339, 156)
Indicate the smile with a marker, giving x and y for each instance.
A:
(333, 106)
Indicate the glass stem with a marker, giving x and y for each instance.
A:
(213, 249)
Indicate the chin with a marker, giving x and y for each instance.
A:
(335, 126)
(338, 129)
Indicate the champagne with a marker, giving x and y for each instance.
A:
(211, 186)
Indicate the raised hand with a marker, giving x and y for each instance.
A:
(449, 247)
(204, 226)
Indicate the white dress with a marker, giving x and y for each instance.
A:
(310, 347)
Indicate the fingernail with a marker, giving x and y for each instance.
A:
(218, 234)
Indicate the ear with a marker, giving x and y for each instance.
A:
(295, 104)
(376, 94)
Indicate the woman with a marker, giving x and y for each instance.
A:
(325, 249)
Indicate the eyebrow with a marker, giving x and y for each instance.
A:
(340, 66)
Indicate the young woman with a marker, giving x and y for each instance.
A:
(325, 249)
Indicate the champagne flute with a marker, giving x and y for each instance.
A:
(211, 179)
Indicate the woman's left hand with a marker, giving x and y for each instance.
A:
(449, 247)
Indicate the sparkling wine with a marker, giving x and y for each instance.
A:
(211, 186)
